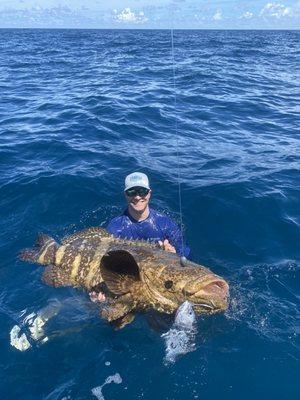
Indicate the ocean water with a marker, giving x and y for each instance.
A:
(79, 109)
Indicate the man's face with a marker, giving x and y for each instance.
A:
(139, 201)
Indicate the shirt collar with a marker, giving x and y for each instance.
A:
(126, 212)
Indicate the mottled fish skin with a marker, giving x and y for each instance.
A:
(138, 275)
(166, 284)
(77, 260)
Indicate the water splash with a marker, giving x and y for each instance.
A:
(270, 310)
(20, 342)
(34, 324)
(180, 339)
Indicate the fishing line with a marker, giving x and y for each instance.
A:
(182, 258)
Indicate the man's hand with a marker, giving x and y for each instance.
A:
(165, 245)
(97, 297)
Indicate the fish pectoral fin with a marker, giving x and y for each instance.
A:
(123, 321)
(118, 308)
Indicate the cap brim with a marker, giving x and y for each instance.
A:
(130, 187)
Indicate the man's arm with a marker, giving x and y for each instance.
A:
(174, 236)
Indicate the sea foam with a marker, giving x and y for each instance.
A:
(97, 391)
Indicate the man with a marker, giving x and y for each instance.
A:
(139, 221)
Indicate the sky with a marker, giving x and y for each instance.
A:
(149, 14)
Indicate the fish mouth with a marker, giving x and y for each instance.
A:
(212, 297)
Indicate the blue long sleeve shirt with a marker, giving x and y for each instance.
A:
(154, 228)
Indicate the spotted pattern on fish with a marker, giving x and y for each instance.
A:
(136, 274)
(59, 255)
(93, 267)
(41, 258)
(75, 268)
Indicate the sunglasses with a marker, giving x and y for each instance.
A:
(137, 191)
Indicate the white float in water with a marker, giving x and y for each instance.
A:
(97, 391)
(180, 339)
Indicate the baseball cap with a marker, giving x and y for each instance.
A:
(136, 179)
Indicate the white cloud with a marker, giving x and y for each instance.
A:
(217, 16)
(199, 17)
(247, 15)
(127, 15)
(275, 10)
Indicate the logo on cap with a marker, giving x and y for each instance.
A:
(136, 179)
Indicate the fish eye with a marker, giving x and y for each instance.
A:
(168, 284)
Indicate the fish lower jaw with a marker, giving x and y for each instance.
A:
(210, 307)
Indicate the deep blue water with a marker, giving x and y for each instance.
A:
(81, 109)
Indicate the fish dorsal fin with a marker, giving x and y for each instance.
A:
(141, 244)
(119, 271)
(94, 234)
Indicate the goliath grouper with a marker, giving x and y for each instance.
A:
(134, 275)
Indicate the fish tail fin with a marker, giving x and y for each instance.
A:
(43, 252)
(29, 255)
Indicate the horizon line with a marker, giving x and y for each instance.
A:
(156, 29)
